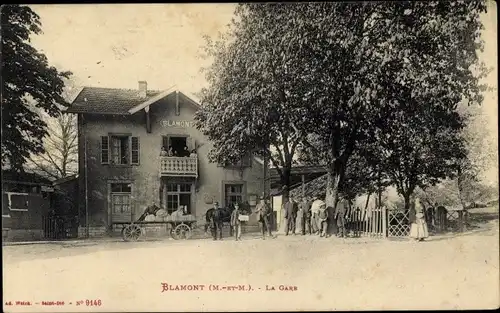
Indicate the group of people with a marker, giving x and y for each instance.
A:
(182, 153)
(308, 217)
(263, 213)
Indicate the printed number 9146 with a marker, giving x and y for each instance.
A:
(93, 302)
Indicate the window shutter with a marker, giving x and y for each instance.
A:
(190, 142)
(105, 150)
(135, 150)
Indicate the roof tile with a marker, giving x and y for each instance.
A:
(108, 100)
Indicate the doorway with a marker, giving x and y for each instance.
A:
(177, 143)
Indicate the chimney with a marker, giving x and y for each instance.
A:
(143, 88)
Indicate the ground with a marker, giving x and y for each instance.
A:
(455, 271)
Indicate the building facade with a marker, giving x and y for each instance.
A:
(122, 168)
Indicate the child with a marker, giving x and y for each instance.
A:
(322, 220)
(235, 222)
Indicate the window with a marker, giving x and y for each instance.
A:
(120, 149)
(234, 193)
(177, 195)
(120, 198)
(246, 161)
(16, 201)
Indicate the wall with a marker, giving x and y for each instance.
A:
(145, 177)
(25, 225)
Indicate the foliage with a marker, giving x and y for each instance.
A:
(29, 82)
(252, 103)
(435, 51)
(404, 69)
(481, 155)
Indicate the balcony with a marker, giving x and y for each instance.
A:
(179, 166)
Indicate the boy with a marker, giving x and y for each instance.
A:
(322, 219)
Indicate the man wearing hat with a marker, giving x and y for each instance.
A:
(216, 221)
(235, 222)
(263, 214)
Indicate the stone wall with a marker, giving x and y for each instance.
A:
(94, 231)
(22, 234)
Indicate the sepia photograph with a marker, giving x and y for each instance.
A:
(250, 157)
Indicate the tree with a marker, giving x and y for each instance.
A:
(252, 103)
(422, 130)
(28, 82)
(60, 158)
(481, 155)
(398, 70)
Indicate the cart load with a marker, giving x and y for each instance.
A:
(181, 224)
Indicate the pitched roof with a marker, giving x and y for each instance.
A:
(108, 100)
(24, 177)
(315, 187)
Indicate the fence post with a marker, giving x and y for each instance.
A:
(384, 221)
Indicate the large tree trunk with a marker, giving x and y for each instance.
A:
(406, 197)
(332, 197)
(367, 201)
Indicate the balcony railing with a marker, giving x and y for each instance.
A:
(179, 166)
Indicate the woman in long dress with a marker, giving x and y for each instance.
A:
(299, 221)
(418, 230)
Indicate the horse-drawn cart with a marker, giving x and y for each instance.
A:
(181, 226)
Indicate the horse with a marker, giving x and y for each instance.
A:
(224, 215)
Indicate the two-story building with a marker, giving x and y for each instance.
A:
(122, 168)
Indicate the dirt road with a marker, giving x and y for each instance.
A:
(454, 272)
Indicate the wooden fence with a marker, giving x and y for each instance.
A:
(371, 223)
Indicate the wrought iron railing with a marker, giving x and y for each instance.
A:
(179, 166)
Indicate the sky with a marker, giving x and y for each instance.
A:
(117, 45)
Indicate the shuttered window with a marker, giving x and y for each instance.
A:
(135, 150)
(105, 150)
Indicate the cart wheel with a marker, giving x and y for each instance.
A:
(182, 231)
(131, 232)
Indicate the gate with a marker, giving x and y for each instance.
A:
(60, 227)
(399, 223)
(371, 223)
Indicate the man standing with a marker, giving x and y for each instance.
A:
(306, 207)
(263, 212)
(300, 219)
(289, 215)
(317, 203)
(340, 218)
(235, 222)
(216, 221)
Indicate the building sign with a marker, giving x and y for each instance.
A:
(183, 124)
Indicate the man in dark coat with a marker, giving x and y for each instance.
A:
(216, 222)
(306, 211)
(263, 211)
(340, 212)
(288, 207)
